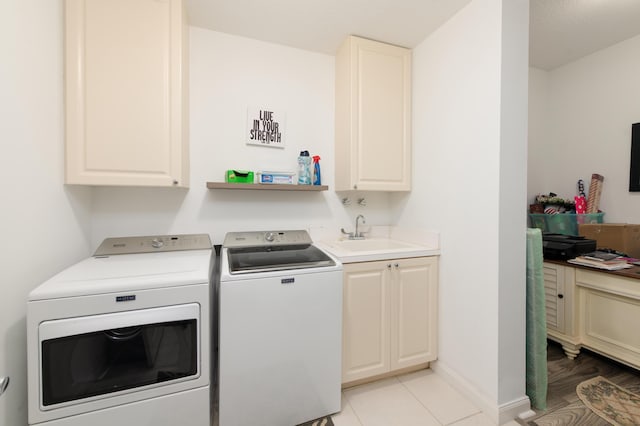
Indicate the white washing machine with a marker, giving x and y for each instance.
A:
(280, 330)
(123, 337)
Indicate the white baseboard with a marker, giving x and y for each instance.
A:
(520, 408)
(499, 414)
(526, 415)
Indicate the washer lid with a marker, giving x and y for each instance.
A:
(248, 260)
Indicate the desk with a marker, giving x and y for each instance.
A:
(595, 309)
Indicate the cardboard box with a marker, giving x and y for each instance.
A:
(623, 237)
(276, 177)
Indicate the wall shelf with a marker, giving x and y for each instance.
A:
(266, 187)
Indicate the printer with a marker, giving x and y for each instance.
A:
(563, 247)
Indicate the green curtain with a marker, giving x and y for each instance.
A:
(536, 358)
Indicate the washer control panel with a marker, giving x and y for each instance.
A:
(266, 238)
(152, 244)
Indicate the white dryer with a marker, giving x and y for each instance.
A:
(123, 337)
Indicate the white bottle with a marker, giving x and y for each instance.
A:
(304, 168)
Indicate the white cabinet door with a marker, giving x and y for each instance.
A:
(126, 88)
(561, 306)
(554, 296)
(608, 314)
(373, 116)
(560, 300)
(390, 317)
(365, 320)
(414, 312)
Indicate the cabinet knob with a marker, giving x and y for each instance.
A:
(560, 296)
(175, 182)
(389, 265)
(396, 265)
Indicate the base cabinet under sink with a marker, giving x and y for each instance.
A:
(389, 316)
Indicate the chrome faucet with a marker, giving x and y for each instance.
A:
(359, 235)
(355, 235)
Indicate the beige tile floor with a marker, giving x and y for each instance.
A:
(421, 398)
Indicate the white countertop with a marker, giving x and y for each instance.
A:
(380, 243)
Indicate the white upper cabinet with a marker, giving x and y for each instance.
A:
(373, 116)
(126, 93)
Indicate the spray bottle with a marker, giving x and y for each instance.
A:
(316, 170)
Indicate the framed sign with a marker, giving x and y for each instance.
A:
(265, 127)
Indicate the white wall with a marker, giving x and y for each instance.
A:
(591, 104)
(539, 140)
(45, 225)
(227, 75)
(512, 222)
(471, 167)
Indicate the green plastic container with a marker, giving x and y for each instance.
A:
(563, 223)
(238, 176)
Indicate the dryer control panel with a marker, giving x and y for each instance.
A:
(153, 243)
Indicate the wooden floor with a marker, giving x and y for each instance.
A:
(563, 405)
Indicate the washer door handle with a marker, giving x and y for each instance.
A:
(123, 334)
(4, 384)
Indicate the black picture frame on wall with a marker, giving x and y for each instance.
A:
(634, 169)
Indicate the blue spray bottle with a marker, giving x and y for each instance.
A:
(316, 170)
